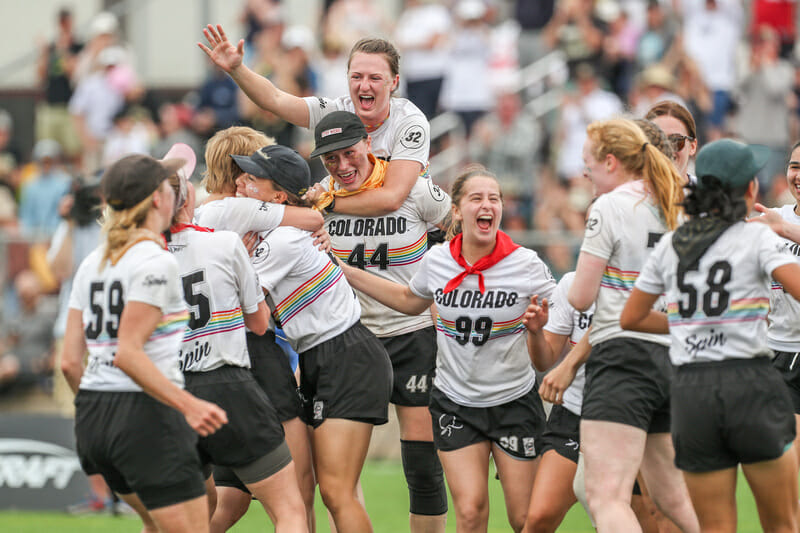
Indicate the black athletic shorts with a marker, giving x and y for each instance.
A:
(516, 426)
(139, 445)
(788, 364)
(348, 376)
(562, 433)
(413, 357)
(730, 412)
(628, 381)
(253, 429)
(272, 371)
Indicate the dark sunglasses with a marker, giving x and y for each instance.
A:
(679, 141)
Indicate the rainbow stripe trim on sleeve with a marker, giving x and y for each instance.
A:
(307, 293)
(776, 286)
(406, 255)
(742, 310)
(221, 322)
(620, 280)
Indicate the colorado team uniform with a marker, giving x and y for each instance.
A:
(392, 247)
(162, 466)
(405, 134)
(345, 371)
(729, 403)
(484, 387)
(269, 364)
(220, 286)
(783, 334)
(628, 373)
(563, 425)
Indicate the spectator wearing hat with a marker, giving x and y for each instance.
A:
(656, 84)
(41, 195)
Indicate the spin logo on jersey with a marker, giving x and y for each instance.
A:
(448, 424)
(437, 193)
(413, 137)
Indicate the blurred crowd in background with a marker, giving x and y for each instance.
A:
(488, 65)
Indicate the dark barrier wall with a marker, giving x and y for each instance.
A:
(38, 465)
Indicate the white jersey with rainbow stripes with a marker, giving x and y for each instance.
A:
(566, 320)
(390, 246)
(405, 134)
(482, 358)
(219, 286)
(308, 295)
(718, 311)
(146, 273)
(623, 226)
(783, 334)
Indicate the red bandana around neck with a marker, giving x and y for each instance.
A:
(502, 248)
(180, 226)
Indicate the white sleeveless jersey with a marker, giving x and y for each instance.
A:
(219, 285)
(566, 320)
(239, 215)
(390, 246)
(718, 311)
(623, 227)
(404, 135)
(482, 358)
(146, 273)
(309, 295)
(783, 334)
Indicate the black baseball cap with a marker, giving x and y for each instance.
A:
(280, 164)
(731, 162)
(135, 177)
(337, 130)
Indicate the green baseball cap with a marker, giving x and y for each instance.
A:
(733, 163)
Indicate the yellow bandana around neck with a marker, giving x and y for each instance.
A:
(374, 181)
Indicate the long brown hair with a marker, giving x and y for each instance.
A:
(221, 170)
(121, 228)
(624, 140)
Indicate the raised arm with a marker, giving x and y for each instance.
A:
(137, 322)
(639, 315)
(398, 297)
(789, 277)
(258, 88)
(302, 218)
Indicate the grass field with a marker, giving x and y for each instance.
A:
(386, 502)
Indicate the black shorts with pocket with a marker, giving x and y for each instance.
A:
(272, 370)
(730, 412)
(348, 376)
(788, 364)
(139, 445)
(628, 382)
(563, 433)
(516, 426)
(413, 357)
(253, 429)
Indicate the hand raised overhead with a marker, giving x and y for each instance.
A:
(222, 52)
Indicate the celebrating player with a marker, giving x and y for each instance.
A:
(399, 130)
(392, 247)
(729, 404)
(127, 307)
(625, 412)
(484, 401)
(345, 372)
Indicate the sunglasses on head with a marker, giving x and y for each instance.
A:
(679, 141)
